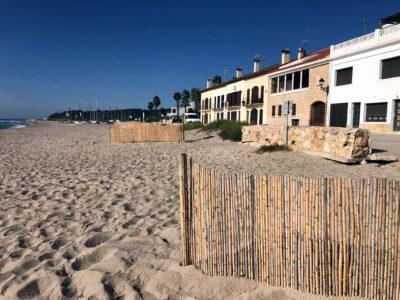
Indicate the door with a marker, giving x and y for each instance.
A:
(317, 117)
(396, 123)
(253, 116)
(356, 114)
(338, 115)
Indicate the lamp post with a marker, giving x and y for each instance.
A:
(321, 84)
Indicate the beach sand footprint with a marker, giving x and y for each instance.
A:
(84, 262)
(97, 239)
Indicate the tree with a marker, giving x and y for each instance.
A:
(156, 103)
(150, 106)
(196, 98)
(177, 98)
(185, 99)
(217, 79)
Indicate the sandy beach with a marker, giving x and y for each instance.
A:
(83, 218)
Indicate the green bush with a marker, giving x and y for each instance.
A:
(190, 126)
(230, 130)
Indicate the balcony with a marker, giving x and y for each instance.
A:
(370, 40)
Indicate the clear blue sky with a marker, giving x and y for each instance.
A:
(55, 54)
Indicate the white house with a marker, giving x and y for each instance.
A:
(364, 88)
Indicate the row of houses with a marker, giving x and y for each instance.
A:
(352, 84)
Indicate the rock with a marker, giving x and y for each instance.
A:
(340, 144)
(382, 158)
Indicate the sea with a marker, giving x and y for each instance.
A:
(12, 123)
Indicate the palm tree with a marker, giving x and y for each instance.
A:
(185, 99)
(217, 80)
(156, 102)
(150, 106)
(177, 98)
(195, 95)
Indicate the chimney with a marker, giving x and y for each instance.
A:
(301, 53)
(239, 73)
(256, 65)
(208, 83)
(285, 56)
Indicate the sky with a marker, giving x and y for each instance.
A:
(59, 54)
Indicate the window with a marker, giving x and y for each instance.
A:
(273, 112)
(254, 94)
(295, 122)
(260, 117)
(222, 101)
(219, 102)
(344, 76)
(294, 109)
(305, 78)
(274, 85)
(262, 93)
(215, 102)
(296, 81)
(280, 110)
(248, 96)
(390, 67)
(376, 112)
(289, 82)
(281, 87)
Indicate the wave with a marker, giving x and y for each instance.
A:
(12, 123)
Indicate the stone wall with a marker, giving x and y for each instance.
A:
(342, 144)
(376, 127)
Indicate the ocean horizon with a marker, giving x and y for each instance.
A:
(13, 123)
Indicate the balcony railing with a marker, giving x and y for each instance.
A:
(379, 36)
(390, 29)
(355, 41)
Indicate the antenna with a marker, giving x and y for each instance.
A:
(304, 44)
(225, 72)
(365, 24)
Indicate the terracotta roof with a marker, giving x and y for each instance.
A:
(318, 55)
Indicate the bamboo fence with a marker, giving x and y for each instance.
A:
(326, 236)
(132, 132)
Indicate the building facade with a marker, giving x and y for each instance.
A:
(239, 99)
(258, 97)
(365, 81)
(303, 82)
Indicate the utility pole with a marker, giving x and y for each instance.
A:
(287, 108)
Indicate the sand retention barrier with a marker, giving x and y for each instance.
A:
(133, 132)
(325, 236)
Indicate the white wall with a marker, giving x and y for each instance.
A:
(367, 87)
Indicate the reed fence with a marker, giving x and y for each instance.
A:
(327, 236)
(132, 132)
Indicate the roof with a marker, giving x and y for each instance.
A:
(313, 57)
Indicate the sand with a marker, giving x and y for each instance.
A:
(83, 218)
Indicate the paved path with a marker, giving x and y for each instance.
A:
(387, 142)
